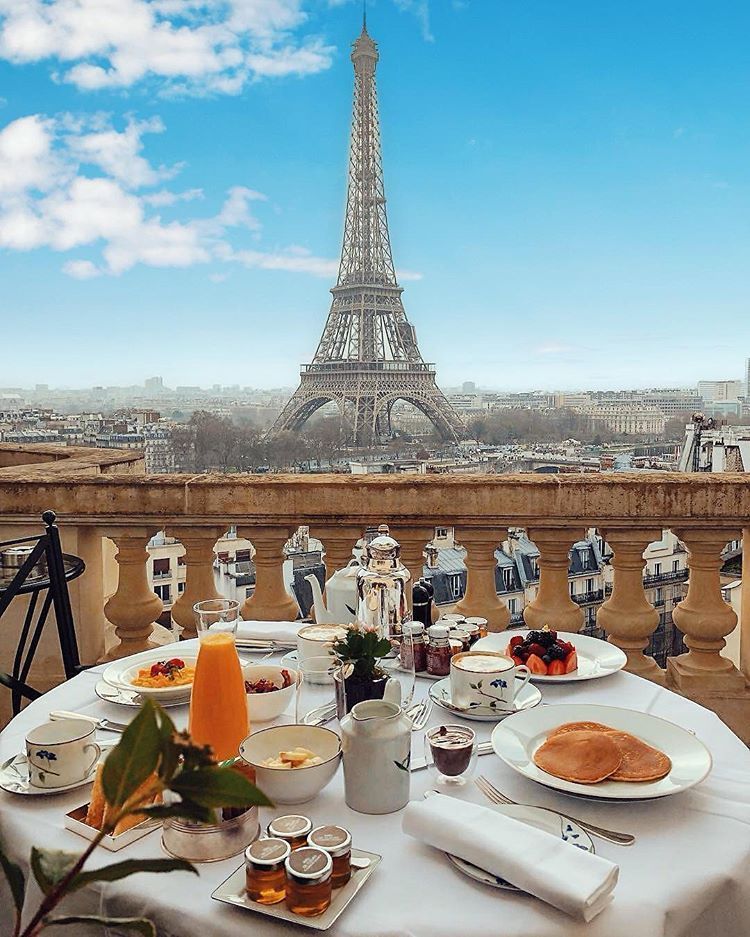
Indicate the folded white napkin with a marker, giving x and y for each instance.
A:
(285, 631)
(569, 878)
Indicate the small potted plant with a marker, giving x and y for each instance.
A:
(360, 676)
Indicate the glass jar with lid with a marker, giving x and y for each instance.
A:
(337, 842)
(439, 652)
(292, 828)
(308, 881)
(265, 874)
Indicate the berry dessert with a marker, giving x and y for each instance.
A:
(544, 653)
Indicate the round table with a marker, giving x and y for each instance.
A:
(687, 874)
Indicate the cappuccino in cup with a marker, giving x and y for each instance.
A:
(485, 679)
(316, 640)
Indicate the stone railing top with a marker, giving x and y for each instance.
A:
(36, 461)
(107, 496)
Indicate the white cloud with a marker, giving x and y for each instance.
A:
(68, 183)
(421, 10)
(189, 46)
(81, 269)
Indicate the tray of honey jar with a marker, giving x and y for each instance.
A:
(299, 873)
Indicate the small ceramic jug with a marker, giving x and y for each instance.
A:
(376, 744)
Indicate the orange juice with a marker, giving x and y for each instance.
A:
(218, 702)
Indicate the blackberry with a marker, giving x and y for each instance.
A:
(555, 652)
(546, 639)
(533, 637)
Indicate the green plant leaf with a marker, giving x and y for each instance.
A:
(138, 924)
(218, 787)
(111, 873)
(135, 757)
(16, 881)
(185, 810)
(50, 866)
(170, 752)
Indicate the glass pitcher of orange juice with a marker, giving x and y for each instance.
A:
(218, 702)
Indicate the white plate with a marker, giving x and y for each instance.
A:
(548, 820)
(517, 738)
(232, 891)
(14, 777)
(121, 697)
(120, 673)
(526, 698)
(596, 658)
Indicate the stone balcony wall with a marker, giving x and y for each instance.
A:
(100, 495)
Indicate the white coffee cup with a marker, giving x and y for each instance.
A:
(485, 679)
(317, 640)
(60, 753)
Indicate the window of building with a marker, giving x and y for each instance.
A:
(675, 566)
(657, 569)
(659, 597)
(161, 566)
(589, 585)
(534, 568)
(182, 560)
(454, 584)
(572, 586)
(584, 555)
(164, 592)
(508, 578)
(441, 533)
(180, 587)
(512, 606)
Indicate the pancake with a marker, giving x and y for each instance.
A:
(579, 727)
(582, 756)
(640, 762)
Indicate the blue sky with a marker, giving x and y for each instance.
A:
(568, 187)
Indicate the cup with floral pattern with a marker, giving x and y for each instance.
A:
(61, 752)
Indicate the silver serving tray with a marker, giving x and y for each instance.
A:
(232, 891)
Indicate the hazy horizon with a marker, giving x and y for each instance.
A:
(568, 190)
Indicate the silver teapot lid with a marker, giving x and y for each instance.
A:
(383, 551)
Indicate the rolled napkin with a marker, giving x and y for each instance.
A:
(282, 631)
(569, 878)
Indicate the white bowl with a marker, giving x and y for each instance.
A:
(263, 707)
(126, 676)
(292, 785)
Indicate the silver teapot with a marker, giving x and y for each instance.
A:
(381, 587)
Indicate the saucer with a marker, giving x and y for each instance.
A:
(527, 697)
(14, 777)
(122, 697)
(548, 820)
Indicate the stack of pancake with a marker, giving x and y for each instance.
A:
(590, 752)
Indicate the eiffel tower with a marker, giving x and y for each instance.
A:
(367, 358)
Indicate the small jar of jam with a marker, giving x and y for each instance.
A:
(265, 875)
(481, 625)
(417, 647)
(461, 634)
(439, 652)
(457, 646)
(308, 881)
(337, 842)
(292, 828)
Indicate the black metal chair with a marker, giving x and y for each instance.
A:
(47, 570)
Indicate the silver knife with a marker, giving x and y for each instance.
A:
(106, 724)
(484, 748)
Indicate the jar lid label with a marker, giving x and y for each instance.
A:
(309, 862)
(290, 824)
(268, 850)
(328, 836)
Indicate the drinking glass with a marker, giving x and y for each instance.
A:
(225, 613)
(399, 664)
(451, 751)
(316, 701)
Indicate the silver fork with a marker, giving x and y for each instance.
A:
(419, 715)
(612, 836)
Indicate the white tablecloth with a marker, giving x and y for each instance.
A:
(688, 874)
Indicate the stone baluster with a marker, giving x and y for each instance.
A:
(338, 543)
(480, 597)
(705, 619)
(745, 606)
(270, 601)
(553, 605)
(199, 545)
(627, 616)
(134, 607)
(413, 541)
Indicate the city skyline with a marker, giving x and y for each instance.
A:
(568, 194)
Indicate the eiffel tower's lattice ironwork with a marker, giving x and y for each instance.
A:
(367, 358)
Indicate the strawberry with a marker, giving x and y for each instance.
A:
(516, 660)
(571, 662)
(537, 649)
(536, 664)
(556, 668)
(516, 639)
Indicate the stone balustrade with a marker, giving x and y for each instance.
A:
(105, 502)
